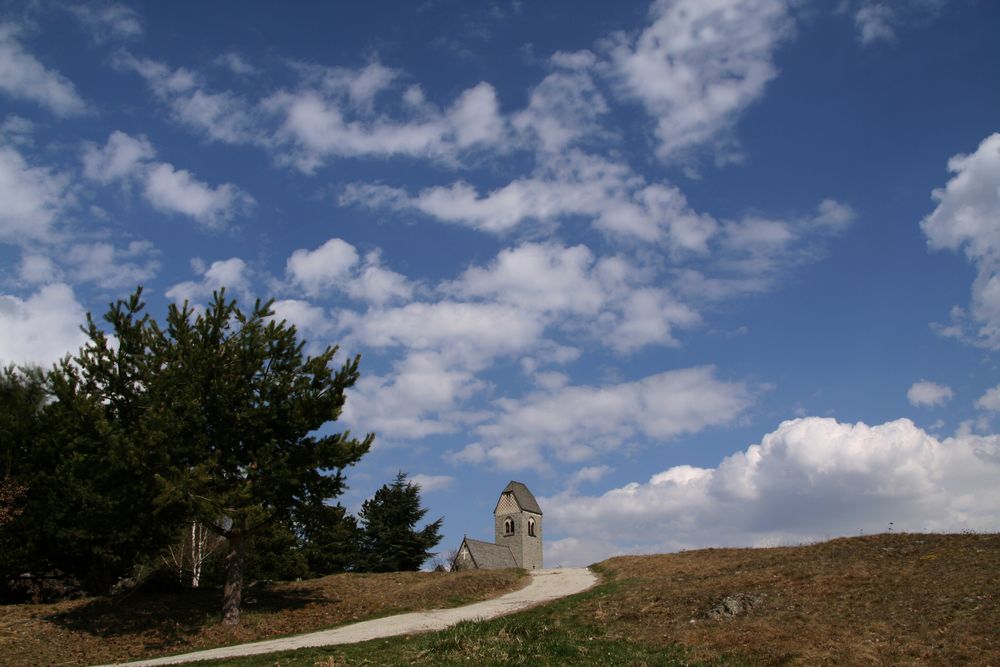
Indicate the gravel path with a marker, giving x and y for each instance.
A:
(545, 585)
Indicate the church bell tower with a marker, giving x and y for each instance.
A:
(518, 522)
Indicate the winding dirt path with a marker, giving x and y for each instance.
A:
(545, 585)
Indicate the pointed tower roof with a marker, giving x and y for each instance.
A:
(524, 498)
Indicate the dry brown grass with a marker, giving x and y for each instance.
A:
(99, 630)
(899, 599)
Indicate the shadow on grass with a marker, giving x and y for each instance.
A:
(161, 620)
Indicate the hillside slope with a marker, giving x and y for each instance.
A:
(881, 599)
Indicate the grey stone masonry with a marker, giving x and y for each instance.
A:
(517, 521)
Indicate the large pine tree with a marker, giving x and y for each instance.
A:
(390, 539)
(224, 409)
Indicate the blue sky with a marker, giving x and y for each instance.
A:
(699, 273)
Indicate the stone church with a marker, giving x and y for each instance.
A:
(517, 521)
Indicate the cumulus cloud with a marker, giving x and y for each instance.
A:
(319, 270)
(219, 116)
(33, 198)
(432, 483)
(22, 76)
(610, 194)
(418, 399)
(173, 190)
(378, 285)
(474, 332)
(588, 474)
(126, 159)
(336, 266)
(323, 121)
(112, 267)
(543, 277)
(38, 269)
(809, 479)
(566, 107)
(576, 423)
(990, 400)
(475, 117)
(232, 273)
(650, 315)
(119, 159)
(41, 328)
(760, 247)
(309, 319)
(967, 218)
(699, 64)
(928, 394)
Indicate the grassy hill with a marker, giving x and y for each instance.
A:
(896, 599)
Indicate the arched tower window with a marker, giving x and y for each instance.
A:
(508, 526)
(531, 526)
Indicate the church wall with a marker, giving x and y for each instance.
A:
(527, 549)
(463, 560)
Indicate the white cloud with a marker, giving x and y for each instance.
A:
(319, 270)
(881, 20)
(565, 107)
(474, 332)
(219, 116)
(432, 483)
(174, 190)
(990, 400)
(475, 117)
(929, 394)
(17, 131)
(378, 285)
(575, 423)
(119, 159)
(649, 316)
(613, 197)
(108, 21)
(336, 266)
(232, 273)
(699, 64)
(874, 22)
(809, 479)
(337, 121)
(109, 267)
(543, 277)
(418, 399)
(967, 217)
(22, 76)
(42, 328)
(125, 158)
(359, 86)
(33, 198)
(589, 474)
(236, 63)
(38, 269)
(309, 319)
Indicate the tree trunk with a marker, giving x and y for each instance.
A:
(232, 594)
